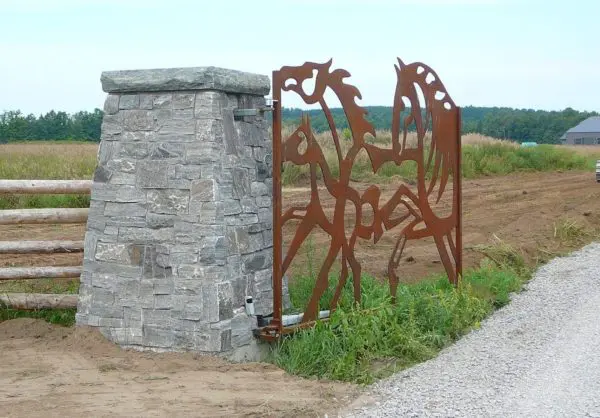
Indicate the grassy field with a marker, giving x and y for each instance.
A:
(46, 160)
(482, 156)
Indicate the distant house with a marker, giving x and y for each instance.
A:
(586, 133)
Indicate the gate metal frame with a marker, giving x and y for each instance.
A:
(442, 156)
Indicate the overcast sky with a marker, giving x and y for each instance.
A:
(525, 54)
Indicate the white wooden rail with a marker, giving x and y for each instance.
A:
(41, 216)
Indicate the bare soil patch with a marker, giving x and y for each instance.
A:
(520, 209)
(49, 371)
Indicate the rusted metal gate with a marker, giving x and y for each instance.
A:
(422, 104)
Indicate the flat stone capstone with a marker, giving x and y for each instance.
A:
(190, 78)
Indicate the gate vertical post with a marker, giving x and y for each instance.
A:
(459, 243)
(277, 233)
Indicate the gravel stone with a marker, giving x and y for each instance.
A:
(536, 357)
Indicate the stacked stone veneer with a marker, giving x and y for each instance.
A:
(179, 228)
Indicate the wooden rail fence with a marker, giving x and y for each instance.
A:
(41, 216)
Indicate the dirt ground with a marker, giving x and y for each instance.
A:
(52, 371)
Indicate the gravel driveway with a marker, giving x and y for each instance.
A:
(537, 357)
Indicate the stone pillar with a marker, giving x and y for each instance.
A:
(179, 229)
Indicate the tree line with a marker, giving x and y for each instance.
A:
(52, 126)
(522, 125)
(501, 122)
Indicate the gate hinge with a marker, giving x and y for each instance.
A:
(240, 113)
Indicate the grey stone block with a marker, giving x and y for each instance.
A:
(110, 322)
(155, 220)
(203, 190)
(209, 130)
(211, 213)
(102, 175)
(154, 174)
(146, 101)
(226, 340)
(163, 301)
(176, 130)
(225, 291)
(111, 104)
(130, 194)
(209, 104)
(111, 230)
(134, 150)
(162, 101)
(251, 135)
(230, 135)
(268, 237)
(257, 261)
(122, 178)
(178, 79)
(189, 172)
(111, 125)
(129, 101)
(139, 136)
(183, 100)
(242, 219)
(124, 209)
(105, 152)
(117, 253)
(258, 189)
(103, 192)
(210, 301)
(168, 201)
(124, 165)
(241, 329)
(104, 281)
(127, 221)
(168, 150)
(157, 337)
(180, 184)
(240, 289)
(249, 205)
(183, 113)
(139, 120)
(163, 287)
(145, 235)
(264, 201)
(203, 153)
(231, 207)
(265, 215)
(263, 171)
(241, 183)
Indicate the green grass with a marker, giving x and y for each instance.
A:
(65, 317)
(364, 342)
(479, 160)
(70, 286)
(501, 159)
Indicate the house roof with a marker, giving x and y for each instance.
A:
(591, 124)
